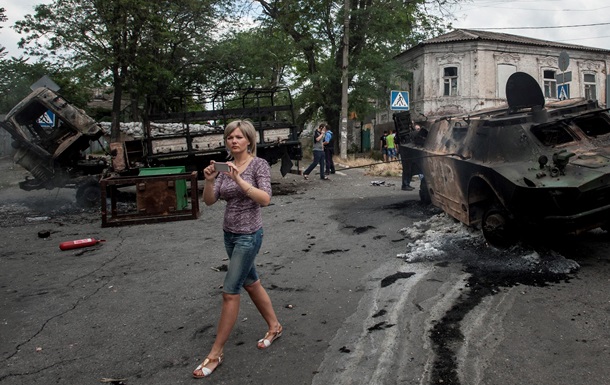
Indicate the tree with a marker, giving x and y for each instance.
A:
(259, 57)
(142, 47)
(379, 30)
(3, 18)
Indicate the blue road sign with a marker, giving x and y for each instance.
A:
(399, 100)
(563, 91)
(47, 119)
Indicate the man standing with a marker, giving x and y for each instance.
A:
(383, 146)
(408, 167)
(329, 150)
(391, 146)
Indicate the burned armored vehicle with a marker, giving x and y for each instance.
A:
(527, 167)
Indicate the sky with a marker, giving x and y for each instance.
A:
(565, 21)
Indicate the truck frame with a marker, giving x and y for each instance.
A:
(55, 153)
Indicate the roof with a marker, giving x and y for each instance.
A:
(462, 35)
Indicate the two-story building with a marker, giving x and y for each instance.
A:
(466, 70)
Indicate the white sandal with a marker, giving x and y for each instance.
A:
(269, 338)
(201, 371)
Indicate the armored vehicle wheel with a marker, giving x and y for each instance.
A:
(498, 228)
(88, 194)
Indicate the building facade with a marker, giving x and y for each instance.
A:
(466, 70)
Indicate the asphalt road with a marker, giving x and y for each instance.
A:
(371, 288)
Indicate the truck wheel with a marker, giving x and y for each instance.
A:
(89, 194)
(498, 228)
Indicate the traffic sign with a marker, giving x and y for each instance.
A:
(47, 119)
(563, 91)
(399, 100)
(564, 60)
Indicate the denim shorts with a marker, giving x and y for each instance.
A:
(242, 250)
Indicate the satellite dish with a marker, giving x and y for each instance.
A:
(523, 91)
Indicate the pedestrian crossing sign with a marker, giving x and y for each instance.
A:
(47, 119)
(563, 91)
(399, 100)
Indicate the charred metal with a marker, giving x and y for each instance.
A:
(525, 166)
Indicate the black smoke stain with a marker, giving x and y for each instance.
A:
(491, 270)
(390, 279)
(335, 251)
(380, 326)
(363, 229)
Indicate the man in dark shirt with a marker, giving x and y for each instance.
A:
(383, 146)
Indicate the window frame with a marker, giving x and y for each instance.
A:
(588, 85)
(450, 83)
(549, 84)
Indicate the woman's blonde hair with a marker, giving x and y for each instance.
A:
(247, 129)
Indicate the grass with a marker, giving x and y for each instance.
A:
(371, 166)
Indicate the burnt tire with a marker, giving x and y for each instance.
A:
(498, 228)
(89, 194)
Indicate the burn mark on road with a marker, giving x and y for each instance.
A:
(491, 270)
(363, 229)
(380, 326)
(390, 279)
(335, 251)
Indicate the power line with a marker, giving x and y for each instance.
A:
(557, 26)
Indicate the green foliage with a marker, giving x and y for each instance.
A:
(253, 58)
(150, 49)
(378, 30)
(17, 75)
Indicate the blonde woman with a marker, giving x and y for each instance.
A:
(245, 187)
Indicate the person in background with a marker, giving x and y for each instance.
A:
(329, 150)
(391, 145)
(408, 167)
(383, 146)
(245, 188)
(318, 152)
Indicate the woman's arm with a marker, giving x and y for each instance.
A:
(210, 174)
(257, 195)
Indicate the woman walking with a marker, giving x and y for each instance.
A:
(245, 187)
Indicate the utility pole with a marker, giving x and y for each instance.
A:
(344, 102)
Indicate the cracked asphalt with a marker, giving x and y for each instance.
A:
(142, 307)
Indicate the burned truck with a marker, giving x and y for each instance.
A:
(54, 152)
(57, 154)
(519, 170)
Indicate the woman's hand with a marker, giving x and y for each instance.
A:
(210, 173)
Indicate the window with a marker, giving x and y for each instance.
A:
(590, 92)
(504, 72)
(553, 134)
(550, 84)
(450, 76)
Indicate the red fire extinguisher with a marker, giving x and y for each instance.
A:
(79, 243)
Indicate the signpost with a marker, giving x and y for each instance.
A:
(399, 100)
(563, 91)
(563, 88)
